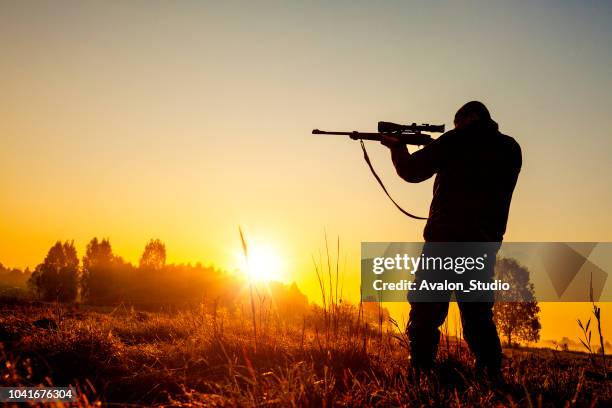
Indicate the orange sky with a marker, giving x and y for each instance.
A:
(184, 120)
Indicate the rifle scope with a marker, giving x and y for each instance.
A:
(389, 127)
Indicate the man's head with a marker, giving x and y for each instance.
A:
(471, 112)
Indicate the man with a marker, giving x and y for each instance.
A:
(476, 170)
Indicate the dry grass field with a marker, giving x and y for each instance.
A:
(210, 357)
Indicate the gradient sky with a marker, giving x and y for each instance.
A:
(182, 120)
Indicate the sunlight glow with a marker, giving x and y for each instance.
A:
(264, 264)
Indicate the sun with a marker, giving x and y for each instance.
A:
(264, 264)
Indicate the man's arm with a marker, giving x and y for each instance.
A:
(418, 166)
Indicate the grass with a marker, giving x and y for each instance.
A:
(207, 357)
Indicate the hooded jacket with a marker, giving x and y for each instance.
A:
(476, 170)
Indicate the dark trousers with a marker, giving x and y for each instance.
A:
(476, 311)
(479, 332)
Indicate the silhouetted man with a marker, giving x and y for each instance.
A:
(476, 170)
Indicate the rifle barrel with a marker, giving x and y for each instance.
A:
(417, 139)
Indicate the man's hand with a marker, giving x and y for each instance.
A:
(390, 141)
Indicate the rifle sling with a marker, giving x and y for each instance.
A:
(367, 160)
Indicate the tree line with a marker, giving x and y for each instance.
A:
(103, 278)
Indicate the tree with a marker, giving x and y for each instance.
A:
(154, 255)
(516, 310)
(98, 272)
(13, 277)
(57, 278)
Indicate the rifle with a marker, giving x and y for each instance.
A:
(406, 134)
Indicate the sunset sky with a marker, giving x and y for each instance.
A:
(183, 120)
